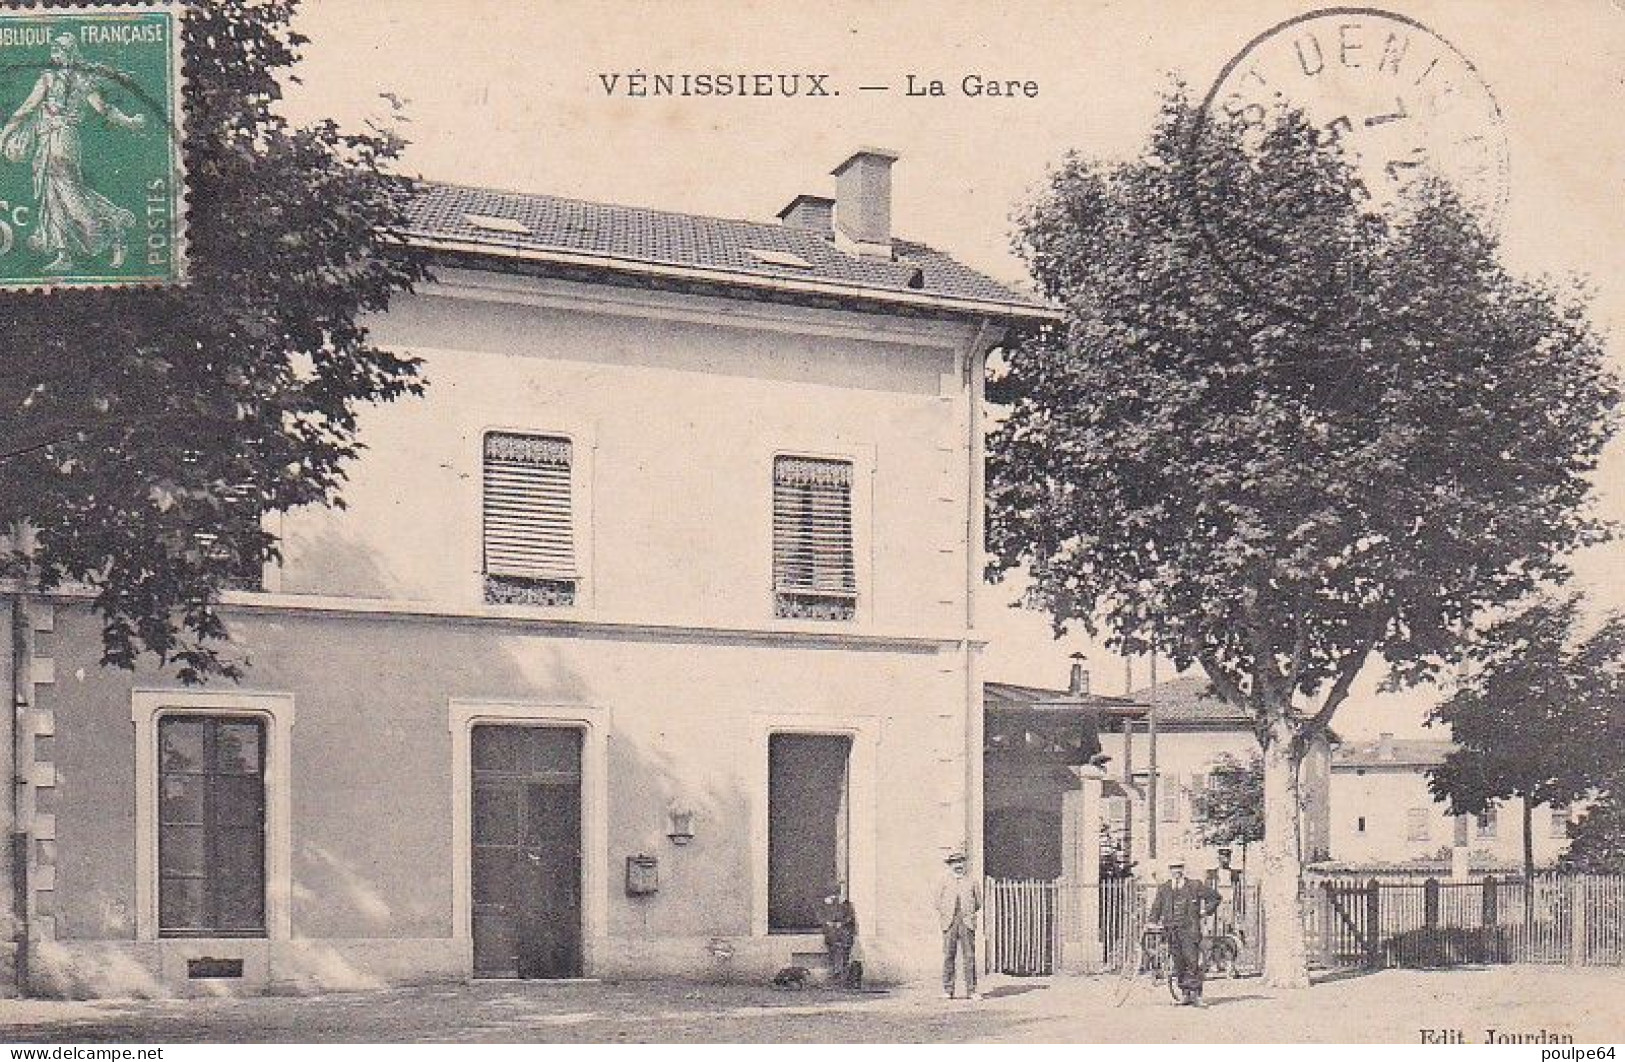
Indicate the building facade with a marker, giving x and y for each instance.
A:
(649, 626)
(1384, 815)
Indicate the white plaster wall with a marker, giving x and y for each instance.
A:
(1384, 796)
(676, 422)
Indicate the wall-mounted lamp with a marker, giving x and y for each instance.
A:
(681, 820)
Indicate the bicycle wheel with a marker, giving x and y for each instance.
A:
(1174, 991)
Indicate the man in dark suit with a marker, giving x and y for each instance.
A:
(840, 933)
(1180, 908)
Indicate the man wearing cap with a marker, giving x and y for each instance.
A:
(1180, 908)
(959, 900)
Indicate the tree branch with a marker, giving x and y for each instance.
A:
(1347, 672)
(1228, 687)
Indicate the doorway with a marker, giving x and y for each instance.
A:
(808, 850)
(526, 851)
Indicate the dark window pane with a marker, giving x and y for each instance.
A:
(180, 850)
(238, 800)
(552, 749)
(180, 744)
(497, 748)
(239, 854)
(180, 904)
(237, 748)
(241, 905)
(180, 800)
(496, 815)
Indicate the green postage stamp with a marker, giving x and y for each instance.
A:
(92, 189)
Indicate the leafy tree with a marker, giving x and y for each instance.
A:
(1597, 841)
(1115, 862)
(1230, 808)
(1532, 718)
(1285, 437)
(146, 432)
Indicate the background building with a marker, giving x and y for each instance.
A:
(1384, 814)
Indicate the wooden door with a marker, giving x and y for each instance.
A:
(526, 851)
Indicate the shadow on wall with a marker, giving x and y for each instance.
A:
(330, 563)
(699, 919)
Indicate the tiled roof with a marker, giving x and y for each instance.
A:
(1190, 701)
(749, 252)
(1391, 752)
(1004, 695)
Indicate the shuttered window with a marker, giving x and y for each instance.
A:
(1170, 795)
(530, 556)
(813, 575)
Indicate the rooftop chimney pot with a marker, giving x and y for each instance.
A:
(863, 200)
(1079, 687)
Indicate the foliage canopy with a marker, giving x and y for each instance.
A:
(146, 432)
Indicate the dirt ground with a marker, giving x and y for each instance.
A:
(1394, 1006)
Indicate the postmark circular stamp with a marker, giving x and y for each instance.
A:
(92, 180)
(1404, 104)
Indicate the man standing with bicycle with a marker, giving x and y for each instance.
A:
(1180, 907)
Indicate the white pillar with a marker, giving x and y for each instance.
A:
(1080, 872)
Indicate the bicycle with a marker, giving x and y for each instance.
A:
(1149, 955)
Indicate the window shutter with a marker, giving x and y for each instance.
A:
(813, 573)
(529, 530)
(1169, 795)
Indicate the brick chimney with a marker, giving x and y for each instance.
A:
(863, 201)
(814, 213)
(1079, 686)
(1385, 746)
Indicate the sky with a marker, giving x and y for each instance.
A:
(512, 94)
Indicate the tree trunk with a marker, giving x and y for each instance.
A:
(1528, 839)
(1286, 954)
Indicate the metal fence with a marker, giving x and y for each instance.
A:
(1046, 927)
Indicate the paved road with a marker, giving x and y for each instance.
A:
(1391, 1007)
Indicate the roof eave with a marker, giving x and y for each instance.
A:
(956, 305)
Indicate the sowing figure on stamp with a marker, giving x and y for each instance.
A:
(73, 220)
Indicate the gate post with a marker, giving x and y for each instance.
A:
(1079, 935)
(1373, 923)
(1430, 903)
